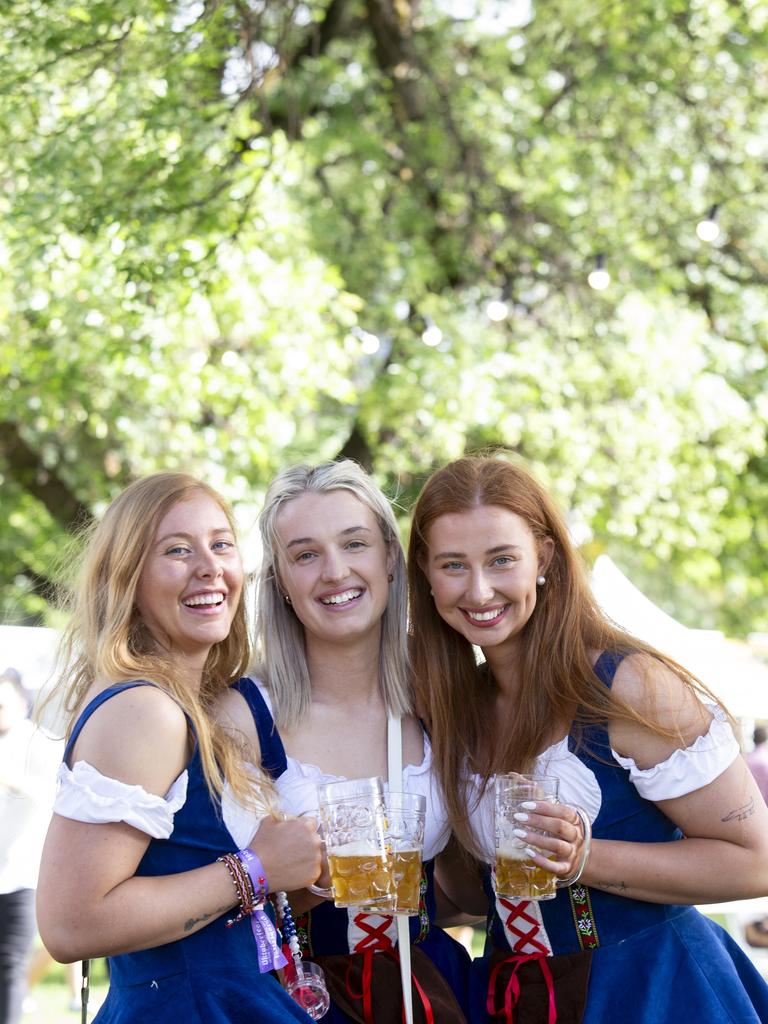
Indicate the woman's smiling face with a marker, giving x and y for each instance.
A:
(482, 567)
(333, 565)
(191, 582)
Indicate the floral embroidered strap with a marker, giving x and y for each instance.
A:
(583, 917)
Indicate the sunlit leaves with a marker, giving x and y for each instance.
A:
(210, 212)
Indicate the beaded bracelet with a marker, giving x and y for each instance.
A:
(241, 880)
(562, 883)
(250, 883)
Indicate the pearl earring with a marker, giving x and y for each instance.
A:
(287, 599)
(540, 581)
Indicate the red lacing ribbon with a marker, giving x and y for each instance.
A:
(512, 991)
(367, 977)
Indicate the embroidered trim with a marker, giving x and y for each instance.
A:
(423, 914)
(303, 931)
(583, 916)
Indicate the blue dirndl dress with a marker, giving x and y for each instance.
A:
(324, 931)
(647, 963)
(211, 976)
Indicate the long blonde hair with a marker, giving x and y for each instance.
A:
(557, 681)
(279, 633)
(107, 640)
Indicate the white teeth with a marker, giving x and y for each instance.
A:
(201, 599)
(485, 616)
(348, 595)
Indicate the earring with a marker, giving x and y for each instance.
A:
(540, 581)
(431, 592)
(287, 599)
(390, 577)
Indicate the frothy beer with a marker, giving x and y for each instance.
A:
(361, 875)
(517, 877)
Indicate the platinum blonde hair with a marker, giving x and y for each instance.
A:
(280, 639)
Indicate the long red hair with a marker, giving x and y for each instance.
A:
(455, 696)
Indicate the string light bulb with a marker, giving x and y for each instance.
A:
(708, 229)
(599, 278)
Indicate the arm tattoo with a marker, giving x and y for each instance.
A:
(193, 921)
(607, 886)
(741, 813)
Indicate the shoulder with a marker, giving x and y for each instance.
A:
(651, 687)
(233, 713)
(139, 736)
(670, 713)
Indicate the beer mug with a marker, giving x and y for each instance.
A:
(353, 824)
(517, 877)
(406, 815)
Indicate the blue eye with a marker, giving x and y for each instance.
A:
(503, 560)
(453, 566)
(223, 545)
(305, 556)
(177, 549)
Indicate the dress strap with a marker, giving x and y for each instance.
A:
(606, 665)
(273, 757)
(94, 705)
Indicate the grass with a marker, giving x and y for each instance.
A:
(51, 996)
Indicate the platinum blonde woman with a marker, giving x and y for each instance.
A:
(333, 646)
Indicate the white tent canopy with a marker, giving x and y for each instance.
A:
(727, 667)
(31, 650)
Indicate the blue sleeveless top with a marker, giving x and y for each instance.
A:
(650, 961)
(211, 976)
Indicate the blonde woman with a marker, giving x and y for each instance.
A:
(150, 854)
(333, 646)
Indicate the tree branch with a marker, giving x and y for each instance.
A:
(27, 470)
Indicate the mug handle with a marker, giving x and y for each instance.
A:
(327, 894)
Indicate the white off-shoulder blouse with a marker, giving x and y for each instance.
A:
(85, 794)
(684, 771)
(297, 788)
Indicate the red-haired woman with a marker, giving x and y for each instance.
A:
(634, 739)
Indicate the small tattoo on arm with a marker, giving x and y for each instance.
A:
(607, 886)
(194, 921)
(741, 813)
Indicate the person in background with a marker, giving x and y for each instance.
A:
(677, 817)
(163, 844)
(29, 759)
(756, 932)
(757, 759)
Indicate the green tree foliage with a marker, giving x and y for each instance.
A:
(238, 234)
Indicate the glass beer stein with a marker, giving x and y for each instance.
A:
(517, 876)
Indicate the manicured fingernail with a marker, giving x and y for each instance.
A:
(529, 805)
(530, 852)
(520, 816)
(519, 832)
